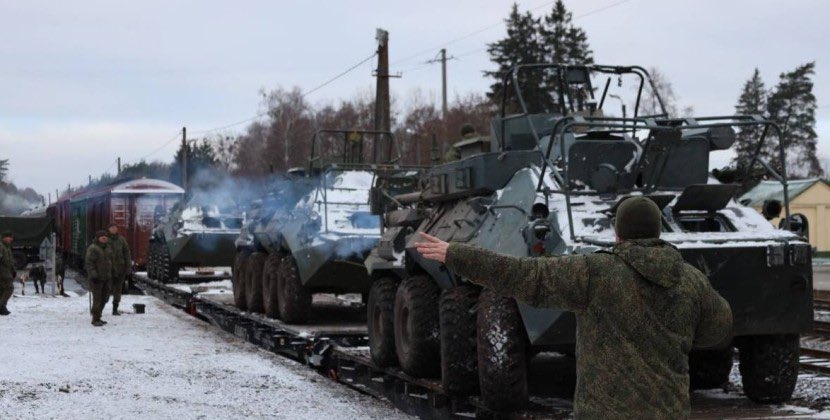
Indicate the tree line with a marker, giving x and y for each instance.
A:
(14, 200)
(281, 139)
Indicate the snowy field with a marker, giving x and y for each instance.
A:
(160, 365)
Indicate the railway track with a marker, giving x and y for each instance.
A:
(815, 360)
(338, 349)
(821, 300)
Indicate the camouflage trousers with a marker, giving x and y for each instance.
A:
(6, 291)
(116, 287)
(100, 295)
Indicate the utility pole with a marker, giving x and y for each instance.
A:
(442, 58)
(382, 107)
(119, 166)
(184, 158)
(444, 83)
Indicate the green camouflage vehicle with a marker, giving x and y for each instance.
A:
(198, 234)
(313, 233)
(548, 183)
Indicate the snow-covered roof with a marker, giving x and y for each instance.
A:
(773, 190)
(147, 186)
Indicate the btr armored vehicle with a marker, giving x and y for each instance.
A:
(548, 184)
(312, 234)
(195, 234)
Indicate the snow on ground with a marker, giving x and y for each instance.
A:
(160, 365)
(811, 395)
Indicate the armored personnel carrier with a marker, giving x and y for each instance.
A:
(194, 234)
(551, 186)
(313, 233)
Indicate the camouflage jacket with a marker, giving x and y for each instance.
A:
(640, 309)
(97, 263)
(7, 271)
(120, 253)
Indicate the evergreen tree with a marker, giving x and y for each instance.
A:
(793, 106)
(564, 43)
(520, 46)
(4, 169)
(200, 157)
(753, 101)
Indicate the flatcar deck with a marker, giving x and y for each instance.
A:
(335, 343)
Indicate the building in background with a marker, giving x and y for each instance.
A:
(809, 197)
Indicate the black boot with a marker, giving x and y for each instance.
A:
(115, 309)
(4, 311)
(98, 323)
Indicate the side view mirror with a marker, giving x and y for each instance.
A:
(772, 209)
(798, 225)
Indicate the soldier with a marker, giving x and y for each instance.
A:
(7, 271)
(121, 264)
(99, 273)
(467, 132)
(640, 309)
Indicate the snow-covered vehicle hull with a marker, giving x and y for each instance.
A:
(193, 235)
(318, 242)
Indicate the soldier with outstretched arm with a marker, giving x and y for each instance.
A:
(640, 309)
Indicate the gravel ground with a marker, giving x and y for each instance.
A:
(160, 365)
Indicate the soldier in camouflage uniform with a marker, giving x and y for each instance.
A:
(467, 132)
(640, 309)
(7, 271)
(121, 264)
(99, 273)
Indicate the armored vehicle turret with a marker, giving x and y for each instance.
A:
(313, 234)
(195, 234)
(557, 171)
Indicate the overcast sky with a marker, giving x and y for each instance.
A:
(84, 82)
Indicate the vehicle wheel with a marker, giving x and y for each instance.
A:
(417, 327)
(163, 272)
(153, 266)
(380, 312)
(769, 366)
(502, 353)
(457, 314)
(151, 255)
(270, 286)
(171, 268)
(710, 368)
(294, 300)
(253, 281)
(240, 265)
(19, 259)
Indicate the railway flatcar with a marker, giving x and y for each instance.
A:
(131, 204)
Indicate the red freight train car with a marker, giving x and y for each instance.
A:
(130, 204)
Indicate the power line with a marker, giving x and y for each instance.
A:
(167, 143)
(305, 94)
(463, 37)
(478, 50)
(345, 72)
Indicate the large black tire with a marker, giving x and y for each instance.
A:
(253, 282)
(270, 285)
(710, 368)
(502, 353)
(380, 313)
(151, 261)
(240, 267)
(295, 299)
(459, 360)
(769, 366)
(417, 328)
